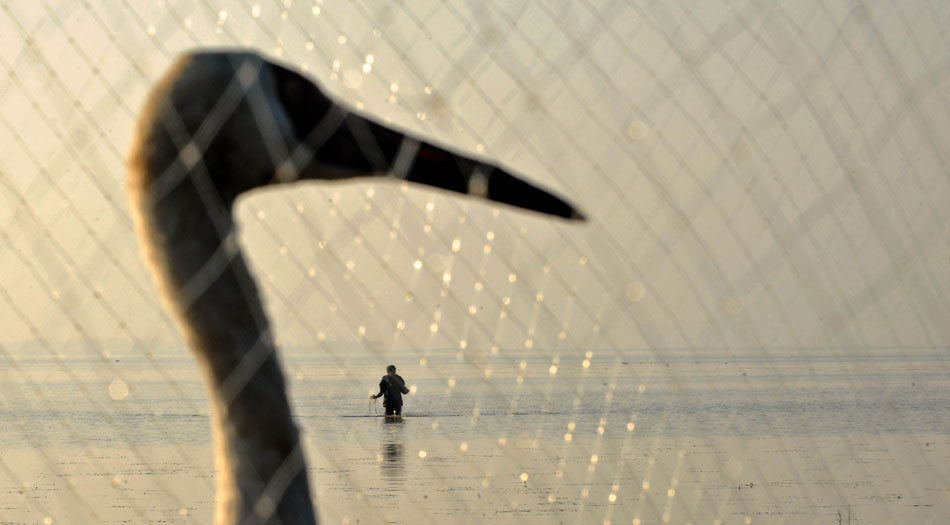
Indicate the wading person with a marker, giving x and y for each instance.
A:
(392, 387)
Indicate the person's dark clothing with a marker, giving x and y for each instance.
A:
(392, 387)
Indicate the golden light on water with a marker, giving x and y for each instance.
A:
(727, 210)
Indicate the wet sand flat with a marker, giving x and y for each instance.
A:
(734, 438)
(689, 480)
(813, 479)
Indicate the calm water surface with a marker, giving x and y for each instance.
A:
(711, 393)
(537, 438)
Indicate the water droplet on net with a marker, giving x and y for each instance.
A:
(637, 130)
(118, 390)
(636, 291)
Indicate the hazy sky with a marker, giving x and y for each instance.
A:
(756, 176)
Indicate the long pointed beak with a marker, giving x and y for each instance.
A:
(338, 143)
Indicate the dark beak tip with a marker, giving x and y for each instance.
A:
(577, 216)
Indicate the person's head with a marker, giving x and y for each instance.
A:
(391, 370)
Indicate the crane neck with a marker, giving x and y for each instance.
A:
(189, 240)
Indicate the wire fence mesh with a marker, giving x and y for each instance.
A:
(751, 326)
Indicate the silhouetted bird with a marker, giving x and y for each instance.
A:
(222, 123)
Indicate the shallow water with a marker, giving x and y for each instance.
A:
(703, 394)
(477, 447)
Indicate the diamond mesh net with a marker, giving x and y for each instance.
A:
(750, 327)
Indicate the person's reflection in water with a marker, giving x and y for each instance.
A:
(392, 464)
